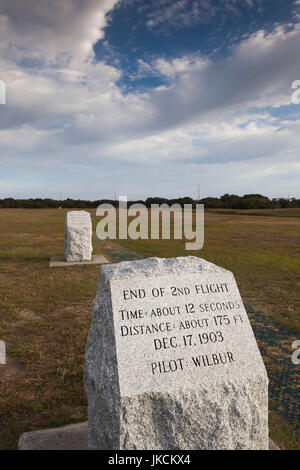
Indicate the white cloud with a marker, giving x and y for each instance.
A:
(258, 73)
(179, 66)
(164, 14)
(56, 30)
(171, 68)
(70, 113)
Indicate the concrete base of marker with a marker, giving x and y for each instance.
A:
(60, 262)
(72, 437)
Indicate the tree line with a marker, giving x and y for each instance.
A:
(227, 201)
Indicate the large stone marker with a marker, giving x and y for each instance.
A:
(78, 236)
(171, 360)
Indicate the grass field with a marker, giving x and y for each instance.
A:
(290, 212)
(45, 313)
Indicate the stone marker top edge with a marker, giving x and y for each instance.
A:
(156, 267)
(76, 213)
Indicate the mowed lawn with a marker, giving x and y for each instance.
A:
(45, 313)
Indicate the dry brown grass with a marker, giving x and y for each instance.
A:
(44, 319)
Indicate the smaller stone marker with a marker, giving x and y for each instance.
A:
(78, 236)
(2, 353)
(172, 361)
(78, 242)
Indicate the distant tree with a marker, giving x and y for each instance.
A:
(227, 201)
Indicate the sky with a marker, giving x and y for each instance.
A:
(149, 98)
